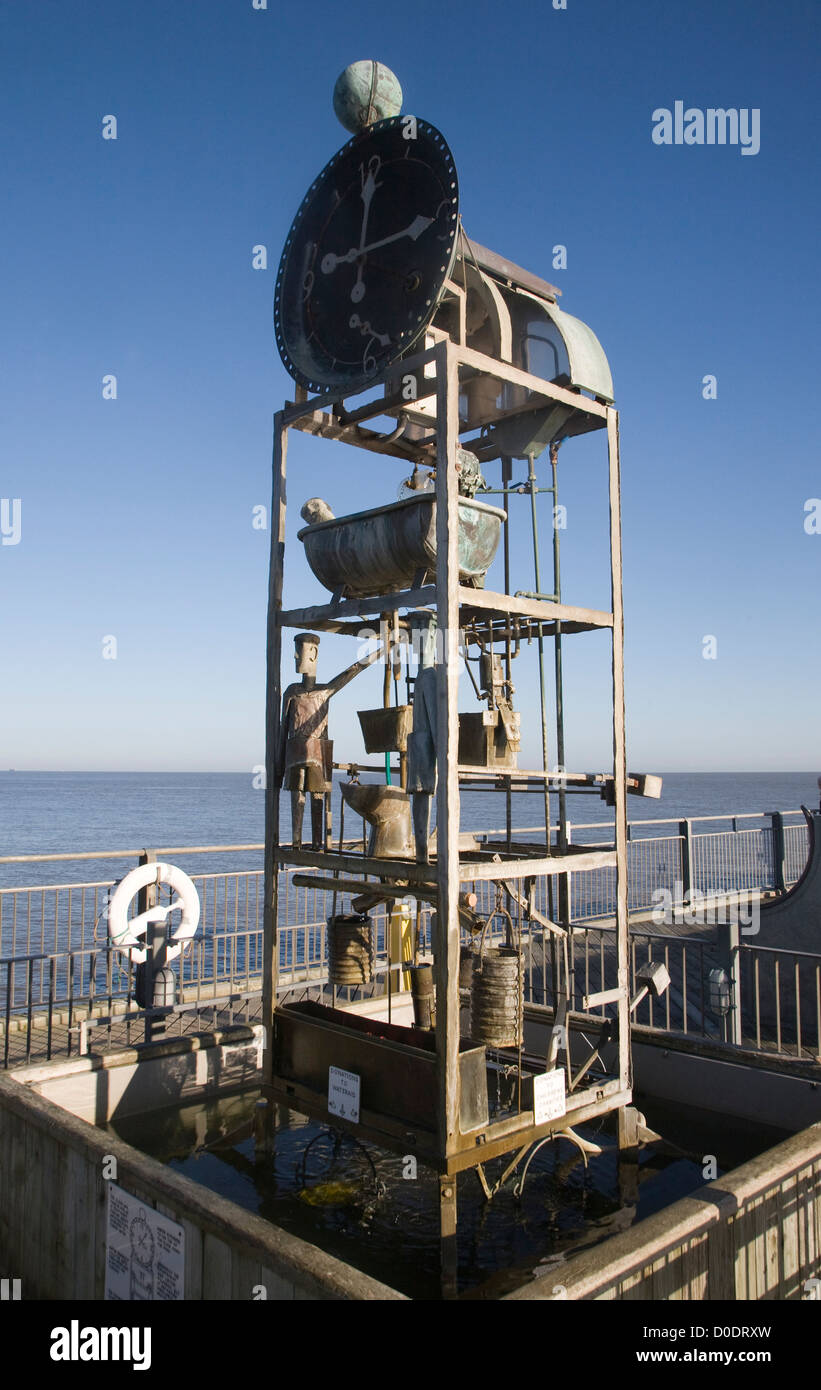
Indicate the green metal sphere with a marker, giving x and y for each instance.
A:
(364, 93)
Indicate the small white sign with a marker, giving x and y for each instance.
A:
(549, 1101)
(145, 1251)
(343, 1094)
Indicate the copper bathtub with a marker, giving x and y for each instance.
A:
(385, 550)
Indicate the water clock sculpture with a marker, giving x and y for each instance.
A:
(386, 312)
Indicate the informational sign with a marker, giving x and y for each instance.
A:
(549, 1100)
(145, 1251)
(343, 1094)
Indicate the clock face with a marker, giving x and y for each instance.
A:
(367, 255)
(142, 1241)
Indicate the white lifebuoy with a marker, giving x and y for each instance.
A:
(125, 933)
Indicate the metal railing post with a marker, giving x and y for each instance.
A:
(729, 940)
(779, 851)
(685, 830)
(154, 940)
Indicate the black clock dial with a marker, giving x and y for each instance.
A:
(367, 255)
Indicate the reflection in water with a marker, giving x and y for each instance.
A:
(379, 1211)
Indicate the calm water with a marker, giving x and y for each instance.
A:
(53, 812)
(358, 1204)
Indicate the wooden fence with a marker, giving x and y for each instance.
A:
(753, 1234)
(53, 1218)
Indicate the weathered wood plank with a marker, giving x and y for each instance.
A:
(488, 601)
(34, 1130)
(446, 947)
(83, 1179)
(330, 617)
(272, 727)
(277, 1288)
(217, 1264)
(619, 748)
(503, 371)
(525, 868)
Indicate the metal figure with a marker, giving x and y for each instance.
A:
(305, 751)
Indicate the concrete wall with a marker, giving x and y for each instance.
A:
(711, 1078)
(53, 1214)
(105, 1085)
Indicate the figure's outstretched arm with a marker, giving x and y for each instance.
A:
(345, 676)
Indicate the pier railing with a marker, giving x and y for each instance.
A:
(57, 966)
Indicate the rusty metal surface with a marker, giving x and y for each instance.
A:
(483, 741)
(424, 1002)
(383, 550)
(397, 1065)
(386, 730)
(350, 949)
(387, 811)
(496, 998)
(503, 269)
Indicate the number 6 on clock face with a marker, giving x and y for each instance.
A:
(376, 232)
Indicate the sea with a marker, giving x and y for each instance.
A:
(43, 813)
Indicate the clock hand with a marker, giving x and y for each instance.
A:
(365, 329)
(414, 231)
(358, 289)
(369, 186)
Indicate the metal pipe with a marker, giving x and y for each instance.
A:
(563, 886)
(531, 477)
(507, 471)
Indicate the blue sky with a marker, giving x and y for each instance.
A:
(133, 257)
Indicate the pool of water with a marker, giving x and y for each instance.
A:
(379, 1212)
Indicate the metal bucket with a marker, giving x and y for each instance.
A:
(386, 730)
(496, 991)
(350, 949)
(424, 1003)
